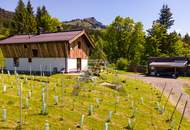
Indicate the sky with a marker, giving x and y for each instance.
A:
(145, 11)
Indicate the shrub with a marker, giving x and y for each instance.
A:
(122, 64)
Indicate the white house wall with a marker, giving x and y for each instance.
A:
(84, 64)
(46, 64)
(72, 65)
(37, 64)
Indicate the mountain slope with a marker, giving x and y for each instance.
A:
(86, 23)
(5, 17)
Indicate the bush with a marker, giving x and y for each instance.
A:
(122, 64)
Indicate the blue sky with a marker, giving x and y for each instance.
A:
(105, 10)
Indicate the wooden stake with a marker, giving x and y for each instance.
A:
(62, 92)
(168, 98)
(163, 91)
(182, 115)
(21, 106)
(30, 69)
(176, 107)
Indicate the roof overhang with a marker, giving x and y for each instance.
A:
(79, 35)
(176, 64)
(68, 36)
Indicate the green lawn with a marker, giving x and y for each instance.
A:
(146, 116)
(186, 78)
(187, 90)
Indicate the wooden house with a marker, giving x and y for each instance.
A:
(49, 52)
(168, 66)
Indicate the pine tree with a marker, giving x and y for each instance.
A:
(44, 11)
(166, 18)
(45, 21)
(30, 21)
(42, 18)
(19, 17)
(186, 39)
(38, 18)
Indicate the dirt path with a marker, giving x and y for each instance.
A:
(176, 84)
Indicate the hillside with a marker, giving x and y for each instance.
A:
(86, 23)
(5, 22)
(5, 16)
(133, 107)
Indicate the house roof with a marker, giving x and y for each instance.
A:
(69, 36)
(169, 64)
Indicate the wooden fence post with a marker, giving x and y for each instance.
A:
(162, 91)
(175, 107)
(182, 115)
(168, 97)
(21, 106)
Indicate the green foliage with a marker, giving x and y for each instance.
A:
(30, 19)
(24, 20)
(97, 52)
(161, 43)
(186, 39)
(45, 21)
(166, 18)
(156, 36)
(124, 38)
(19, 18)
(122, 64)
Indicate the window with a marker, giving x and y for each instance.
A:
(25, 46)
(35, 52)
(29, 60)
(16, 62)
(79, 45)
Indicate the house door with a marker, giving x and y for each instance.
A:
(78, 64)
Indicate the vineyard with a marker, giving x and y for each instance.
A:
(68, 102)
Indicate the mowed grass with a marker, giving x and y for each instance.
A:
(68, 116)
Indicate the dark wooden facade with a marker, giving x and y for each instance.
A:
(79, 48)
(49, 49)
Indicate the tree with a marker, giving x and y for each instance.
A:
(124, 39)
(186, 39)
(155, 37)
(30, 20)
(97, 52)
(44, 11)
(19, 18)
(166, 18)
(160, 43)
(45, 21)
(38, 18)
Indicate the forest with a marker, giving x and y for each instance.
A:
(124, 41)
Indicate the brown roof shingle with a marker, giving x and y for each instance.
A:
(47, 37)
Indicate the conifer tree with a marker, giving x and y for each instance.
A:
(38, 18)
(186, 39)
(19, 17)
(166, 18)
(45, 21)
(30, 21)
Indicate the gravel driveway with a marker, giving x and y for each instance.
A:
(176, 84)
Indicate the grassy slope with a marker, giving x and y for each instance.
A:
(186, 87)
(146, 118)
